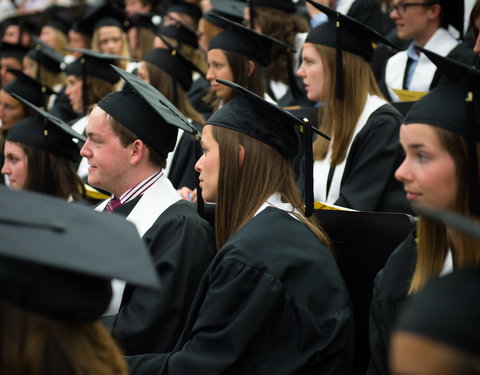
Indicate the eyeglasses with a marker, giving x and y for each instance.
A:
(402, 8)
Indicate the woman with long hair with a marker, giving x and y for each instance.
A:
(440, 170)
(356, 169)
(272, 300)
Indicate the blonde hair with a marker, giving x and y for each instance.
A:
(144, 42)
(45, 76)
(243, 188)
(433, 241)
(339, 117)
(195, 55)
(61, 41)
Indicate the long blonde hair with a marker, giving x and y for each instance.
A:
(125, 48)
(242, 189)
(339, 117)
(433, 241)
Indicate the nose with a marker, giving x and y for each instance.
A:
(199, 164)
(85, 150)
(476, 47)
(394, 14)
(210, 76)
(402, 173)
(5, 169)
(301, 71)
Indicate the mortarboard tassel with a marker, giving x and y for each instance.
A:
(473, 186)
(339, 60)
(200, 201)
(252, 14)
(84, 84)
(292, 82)
(306, 131)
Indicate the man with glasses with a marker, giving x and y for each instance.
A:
(425, 23)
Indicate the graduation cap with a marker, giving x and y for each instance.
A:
(58, 258)
(230, 9)
(179, 32)
(60, 18)
(93, 64)
(145, 21)
(286, 6)
(250, 114)
(28, 88)
(104, 15)
(16, 51)
(446, 310)
(173, 64)
(47, 56)
(30, 22)
(456, 108)
(145, 112)
(344, 34)
(46, 133)
(185, 7)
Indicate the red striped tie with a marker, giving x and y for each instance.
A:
(113, 204)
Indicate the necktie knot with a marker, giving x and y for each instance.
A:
(113, 204)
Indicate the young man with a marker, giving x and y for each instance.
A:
(127, 144)
(425, 23)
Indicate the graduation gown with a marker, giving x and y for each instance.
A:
(182, 245)
(389, 295)
(368, 182)
(271, 302)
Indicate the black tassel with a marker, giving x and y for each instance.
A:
(292, 82)
(84, 85)
(252, 14)
(308, 168)
(473, 183)
(200, 201)
(339, 61)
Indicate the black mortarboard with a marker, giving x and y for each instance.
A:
(179, 32)
(146, 113)
(17, 51)
(58, 258)
(104, 15)
(187, 8)
(145, 21)
(60, 18)
(447, 311)
(344, 34)
(47, 56)
(31, 22)
(283, 5)
(250, 114)
(28, 88)
(174, 65)
(46, 133)
(454, 107)
(240, 39)
(231, 9)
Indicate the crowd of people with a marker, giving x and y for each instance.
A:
(217, 128)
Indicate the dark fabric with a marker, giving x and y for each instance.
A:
(389, 295)
(370, 14)
(181, 245)
(62, 107)
(271, 302)
(196, 94)
(182, 170)
(368, 182)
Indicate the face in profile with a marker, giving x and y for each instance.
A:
(219, 68)
(74, 93)
(15, 166)
(11, 110)
(312, 71)
(209, 165)
(428, 172)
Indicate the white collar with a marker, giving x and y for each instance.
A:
(448, 264)
(275, 200)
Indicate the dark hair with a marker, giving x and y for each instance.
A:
(473, 17)
(127, 137)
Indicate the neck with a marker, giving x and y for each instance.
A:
(134, 180)
(422, 40)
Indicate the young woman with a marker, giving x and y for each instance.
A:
(272, 301)
(439, 139)
(171, 74)
(475, 25)
(356, 169)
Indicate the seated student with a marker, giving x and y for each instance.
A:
(278, 20)
(356, 169)
(272, 301)
(426, 24)
(11, 57)
(55, 31)
(55, 284)
(171, 74)
(129, 135)
(440, 139)
(186, 12)
(438, 332)
(11, 109)
(43, 163)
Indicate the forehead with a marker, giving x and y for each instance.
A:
(5, 97)
(109, 31)
(12, 148)
(97, 122)
(216, 54)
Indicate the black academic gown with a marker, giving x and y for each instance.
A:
(389, 296)
(271, 302)
(368, 182)
(181, 245)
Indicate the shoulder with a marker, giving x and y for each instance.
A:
(182, 211)
(384, 120)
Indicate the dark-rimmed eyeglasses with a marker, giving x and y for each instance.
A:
(402, 8)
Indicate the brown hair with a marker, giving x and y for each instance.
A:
(339, 117)
(97, 88)
(173, 91)
(127, 137)
(473, 17)
(242, 189)
(45, 76)
(35, 345)
(144, 42)
(195, 55)
(433, 241)
(284, 27)
(239, 66)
